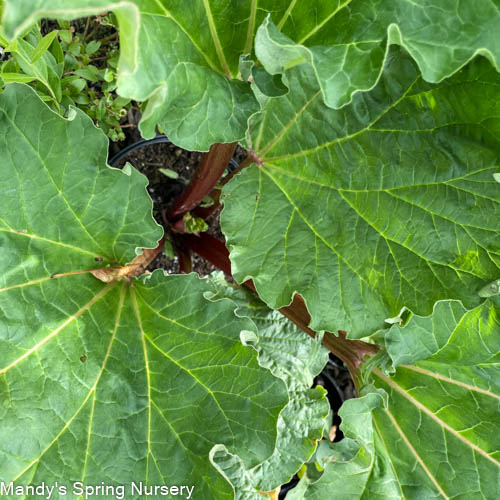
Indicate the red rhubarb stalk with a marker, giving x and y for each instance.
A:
(208, 173)
(206, 212)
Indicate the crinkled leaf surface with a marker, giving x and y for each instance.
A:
(284, 348)
(388, 202)
(438, 435)
(346, 41)
(296, 358)
(123, 381)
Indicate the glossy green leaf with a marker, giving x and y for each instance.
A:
(438, 433)
(43, 45)
(92, 47)
(90, 72)
(40, 64)
(126, 381)
(346, 42)
(295, 358)
(389, 202)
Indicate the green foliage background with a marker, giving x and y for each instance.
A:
(374, 129)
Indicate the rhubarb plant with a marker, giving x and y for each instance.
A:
(365, 221)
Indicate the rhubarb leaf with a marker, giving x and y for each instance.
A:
(346, 42)
(389, 202)
(295, 358)
(131, 380)
(47, 163)
(437, 435)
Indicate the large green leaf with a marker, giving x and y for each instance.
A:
(133, 380)
(296, 358)
(388, 202)
(438, 435)
(346, 41)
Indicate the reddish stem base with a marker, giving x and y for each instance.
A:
(208, 173)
